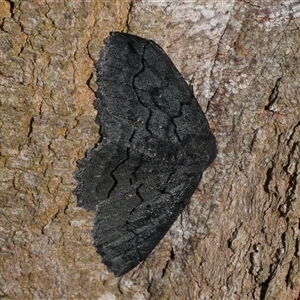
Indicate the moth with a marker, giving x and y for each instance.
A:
(155, 145)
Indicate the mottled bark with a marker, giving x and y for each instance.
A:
(239, 236)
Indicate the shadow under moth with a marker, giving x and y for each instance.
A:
(155, 145)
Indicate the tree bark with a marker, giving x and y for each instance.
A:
(239, 236)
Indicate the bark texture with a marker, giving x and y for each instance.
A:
(239, 236)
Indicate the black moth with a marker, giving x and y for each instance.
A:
(155, 145)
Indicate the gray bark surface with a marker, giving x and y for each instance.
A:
(239, 236)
